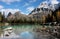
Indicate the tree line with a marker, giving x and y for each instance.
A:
(22, 18)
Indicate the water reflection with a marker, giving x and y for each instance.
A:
(28, 32)
(27, 35)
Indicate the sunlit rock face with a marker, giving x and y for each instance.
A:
(44, 9)
(46, 5)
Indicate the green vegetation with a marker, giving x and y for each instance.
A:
(31, 19)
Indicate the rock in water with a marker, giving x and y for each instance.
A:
(9, 33)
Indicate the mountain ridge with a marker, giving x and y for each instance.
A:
(47, 5)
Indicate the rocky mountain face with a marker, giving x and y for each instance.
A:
(45, 12)
(17, 17)
(46, 6)
(45, 9)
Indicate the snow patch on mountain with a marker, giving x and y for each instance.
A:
(46, 6)
(43, 4)
(50, 4)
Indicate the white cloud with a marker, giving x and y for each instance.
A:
(26, 4)
(6, 11)
(54, 1)
(29, 2)
(12, 10)
(1, 7)
(30, 8)
(10, 1)
(32, 1)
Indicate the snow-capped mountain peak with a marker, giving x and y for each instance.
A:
(50, 4)
(43, 5)
(46, 6)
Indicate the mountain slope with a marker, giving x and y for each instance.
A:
(46, 5)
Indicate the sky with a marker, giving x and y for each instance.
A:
(24, 6)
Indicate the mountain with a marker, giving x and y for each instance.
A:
(44, 11)
(46, 6)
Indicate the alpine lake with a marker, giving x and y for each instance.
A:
(26, 28)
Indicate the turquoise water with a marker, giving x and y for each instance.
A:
(26, 30)
(22, 27)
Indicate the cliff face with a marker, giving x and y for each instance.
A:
(46, 12)
(46, 5)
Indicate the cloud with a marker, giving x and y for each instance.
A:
(32, 1)
(1, 7)
(29, 2)
(6, 11)
(26, 4)
(10, 1)
(29, 9)
(54, 1)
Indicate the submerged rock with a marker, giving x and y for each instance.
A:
(9, 33)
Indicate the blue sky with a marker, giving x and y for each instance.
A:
(25, 6)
